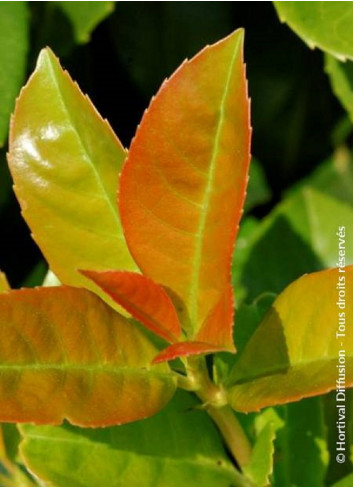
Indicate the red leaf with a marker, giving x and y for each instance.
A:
(145, 300)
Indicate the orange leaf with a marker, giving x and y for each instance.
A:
(142, 298)
(185, 349)
(65, 354)
(183, 186)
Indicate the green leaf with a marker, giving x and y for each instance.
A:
(247, 319)
(178, 227)
(180, 446)
(65, 161)
(333, 177)
(304, 226)
(301, 446)
(85, 16)
(258, 191)
(260, 466)
(337, 471)
(291, 354)
(341, 77)
(65, 354)
(345, 482)
(11, 439)
(326, 25)
(14, 39)
(12, 471)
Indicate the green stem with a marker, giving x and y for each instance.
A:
(214, 399)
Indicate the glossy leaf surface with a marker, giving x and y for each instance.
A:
(65, 180)
(326, 25)
(183, 186)
(295, 347)
(85, 16)
(179, 446)
(14, 17)
(65, 354)
(145, 300)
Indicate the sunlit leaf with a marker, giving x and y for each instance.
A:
(183, 186)
(65, 162)
(65, 354)
(326, 25)
(145, 300)
(294, 352)
(85, 16)
(179, 446)
(14, 38)
(260, 466)
(4, 285)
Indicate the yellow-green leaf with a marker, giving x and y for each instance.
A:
(260, 465)
(65, 161)
(14, 39)
(326, 25)
(65, 354)
(180, 447)
(295, 351)
(4, 285)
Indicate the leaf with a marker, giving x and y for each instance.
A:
(345, 482)
(294, 352)
(14, 40)
(334, 177)
(341, 77)
(301, 445)
(260, 466)
(65, 354)
(248, 318)
(85, 16)
(337, 471)
(65, 181)
(305, 224)
(325, 25)
(222, 314)
(183, 185)
(4, 285)
(145, 300)
(179, 446)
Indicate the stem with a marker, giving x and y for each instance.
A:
(232, 432)
(216, 405)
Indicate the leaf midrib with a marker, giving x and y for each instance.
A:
(195, 276)
(84, 367)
